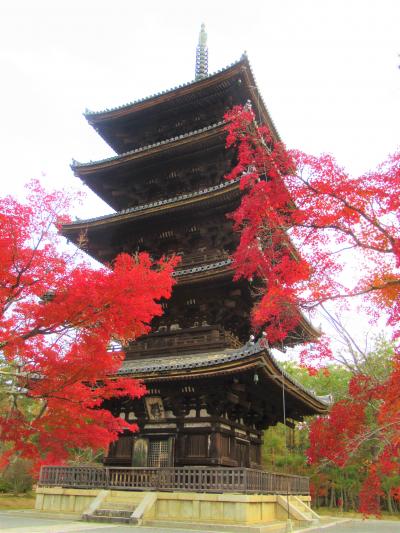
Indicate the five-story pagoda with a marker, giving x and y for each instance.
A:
(211, 393)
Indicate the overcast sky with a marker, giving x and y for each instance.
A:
(327, 69)
(328, 72)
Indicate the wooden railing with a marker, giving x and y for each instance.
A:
(193, 479)
(186, 340)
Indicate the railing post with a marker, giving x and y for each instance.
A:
(245, 480)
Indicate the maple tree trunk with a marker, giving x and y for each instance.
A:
(389, 502)
(332, 502)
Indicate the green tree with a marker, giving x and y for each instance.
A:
(285, 449)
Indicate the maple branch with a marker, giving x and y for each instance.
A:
(352, 207)
(44, 232)
(345, 231)
(349, 340)
(355, 444)
(315, 303)
(42, 410)
(350, 247)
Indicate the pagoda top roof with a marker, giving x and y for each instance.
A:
(250, 356)
(94, 117)
(97, 116)
(129, 125)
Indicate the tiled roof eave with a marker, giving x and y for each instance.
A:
(220, 360)
(94, 117)
(185, 363)
(206, 193)
(325, 400)
(253, 86)
(78, 167)
(224, 264)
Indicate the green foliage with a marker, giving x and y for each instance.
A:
(17, 477)
(5, 486)
(334, 379)
(379, 362)
(284, 449)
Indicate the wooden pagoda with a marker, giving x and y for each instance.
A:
(211, 391)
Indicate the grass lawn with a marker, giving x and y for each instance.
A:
(12, 501)
(325, 511)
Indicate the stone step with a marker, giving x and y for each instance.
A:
(123, 506)
(113, 512)
(107, 519)
(307, 515)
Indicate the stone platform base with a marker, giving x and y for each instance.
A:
(225, 509)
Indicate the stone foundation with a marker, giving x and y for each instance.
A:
(225, 508)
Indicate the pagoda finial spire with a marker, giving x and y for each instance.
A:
(202, 55)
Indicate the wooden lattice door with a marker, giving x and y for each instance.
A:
(160, 453)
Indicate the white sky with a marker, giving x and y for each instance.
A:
(327, 69)
(328, 72)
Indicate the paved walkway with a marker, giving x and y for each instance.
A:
(20, 522)
(359, 526)
(29, 522)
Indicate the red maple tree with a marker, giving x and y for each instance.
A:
(58, 317)
(302, 219)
